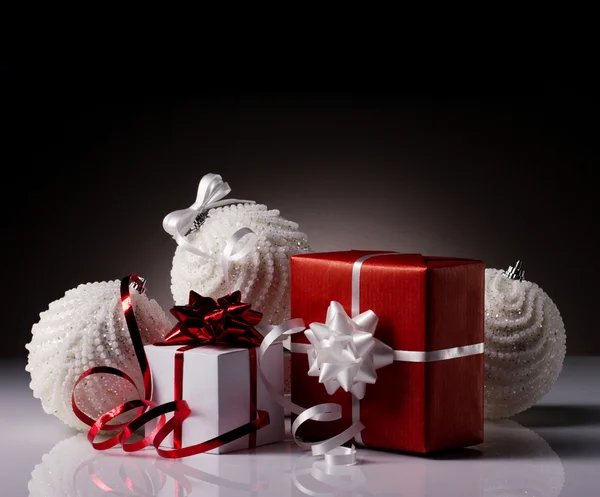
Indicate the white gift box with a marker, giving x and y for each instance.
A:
(216, 386)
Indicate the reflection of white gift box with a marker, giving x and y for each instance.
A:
(265, 472)
(216, 383)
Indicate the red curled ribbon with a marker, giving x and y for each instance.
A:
(214, 328)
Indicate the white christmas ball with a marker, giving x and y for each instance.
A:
(262, 276)
(525, 344)
(86, 328)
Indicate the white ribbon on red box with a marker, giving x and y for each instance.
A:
(324, 346)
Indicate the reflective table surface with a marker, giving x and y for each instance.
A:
(550, 450)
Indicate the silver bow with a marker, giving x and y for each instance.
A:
(211, 190)
(344, 352)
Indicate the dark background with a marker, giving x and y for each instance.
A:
(498, 169)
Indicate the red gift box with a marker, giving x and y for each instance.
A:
(421, 402)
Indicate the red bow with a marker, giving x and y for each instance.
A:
(206, 321)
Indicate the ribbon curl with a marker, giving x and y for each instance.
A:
(206, 321)
(344, 352)
(211, 190)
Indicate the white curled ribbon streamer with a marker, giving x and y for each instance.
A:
(334, 454)
(211, 190)
(344, 352)
(331, 449)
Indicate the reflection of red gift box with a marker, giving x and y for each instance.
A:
(424, 304)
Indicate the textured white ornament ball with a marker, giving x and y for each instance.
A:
(262, 276)
(525, 344)
(86, 328)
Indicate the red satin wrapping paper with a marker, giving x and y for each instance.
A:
(423, 304)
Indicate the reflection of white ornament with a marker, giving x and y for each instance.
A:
(74, 468)
(262, 276)
(86, 328)
(344, 352)
(56, 475)
(526, 464)
(525, 343)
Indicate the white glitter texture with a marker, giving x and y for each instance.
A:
(262, 276)
(525, 344)
(86, 328)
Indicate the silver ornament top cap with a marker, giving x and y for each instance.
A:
(515, 272)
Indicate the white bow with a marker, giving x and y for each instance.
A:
(211, 190)
(344, 352)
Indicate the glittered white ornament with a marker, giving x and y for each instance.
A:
(525, 343)
(262, 275)
(83, 329)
